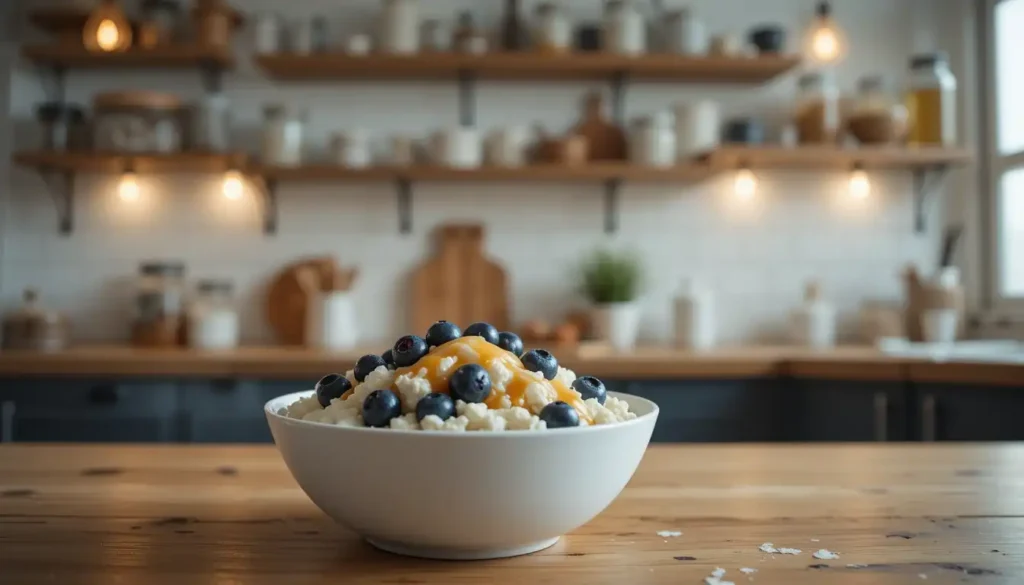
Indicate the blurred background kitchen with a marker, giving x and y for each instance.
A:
(783, 220)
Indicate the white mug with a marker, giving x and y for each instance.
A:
(697, 128)
(940, 325)
(352, 149)
(331, 322)
(507, 147)
(457, 147)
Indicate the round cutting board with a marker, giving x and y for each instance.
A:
(287, 302)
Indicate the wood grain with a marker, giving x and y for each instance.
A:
(590, 172)
(118, 162)
(169, 515)
(160, 57)
(824, 157)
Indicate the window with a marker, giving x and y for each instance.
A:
(1004, 49)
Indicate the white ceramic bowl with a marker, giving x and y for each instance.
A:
(475, 495)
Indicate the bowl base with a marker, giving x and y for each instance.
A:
(454, 554)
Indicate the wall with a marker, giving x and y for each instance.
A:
(757, 257)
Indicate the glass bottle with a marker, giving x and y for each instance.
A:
(931, 101)
(817, 109)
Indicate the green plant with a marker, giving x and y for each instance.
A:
(611, 277)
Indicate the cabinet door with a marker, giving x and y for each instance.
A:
(70, 410)
(837, 410)
(716, 410)
(969, 413)
(230, 411)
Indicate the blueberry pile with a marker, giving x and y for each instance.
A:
(470, 383)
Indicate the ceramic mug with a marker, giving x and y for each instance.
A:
(457, 147)
(507, 147)
(352, 149)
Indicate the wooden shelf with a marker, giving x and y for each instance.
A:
(817, 157)
(558, 173)
(59, 20)
(526, 65)
(80, 162)
(172, 56)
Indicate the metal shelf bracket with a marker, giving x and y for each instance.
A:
(403, 188)
(267, 189)
(611, 205)
(467, 98)
(61, 187)
(926, 182)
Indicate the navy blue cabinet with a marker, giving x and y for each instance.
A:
(229, 411)
(955, 412)
(839, 410)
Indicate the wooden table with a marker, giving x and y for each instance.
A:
(196, 515)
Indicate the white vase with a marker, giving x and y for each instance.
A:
(618, 324)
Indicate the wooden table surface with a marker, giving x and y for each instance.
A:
(936, 514)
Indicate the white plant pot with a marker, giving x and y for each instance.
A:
(617, 324)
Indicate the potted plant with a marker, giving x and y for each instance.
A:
(611, 281)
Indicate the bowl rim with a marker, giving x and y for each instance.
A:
(640, 419)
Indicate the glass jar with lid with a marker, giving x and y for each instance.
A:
(552, 31)
(213, 316)
(931, 101)
(877, 116)
(817, 109)
(283, 131)
(161, 291)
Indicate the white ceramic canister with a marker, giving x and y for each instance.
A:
(624, 31)
(213, 321)
(508, 146)
(617, 324)
(358, 45)
(697, 128)
(400, 27)
(331, 321)
(211, 123)
(551, 30)
(352, 149)
(685, 34)
(457, 147)
(695, 317)
(267, 33)
(283, 134)
(653, 141)
(814, 323)
(940, 325)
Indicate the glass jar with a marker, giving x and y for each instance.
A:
(653, 141)
(211, 123)
(213, 316)
(551, 29)
(624, 31)
(931, 101)
(283, 132)
(817, 109)
(161, 291)
(877, 117)
(63, 126)
(164, 19)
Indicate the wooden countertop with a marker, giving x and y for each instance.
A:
(188, 514)
(847, 363)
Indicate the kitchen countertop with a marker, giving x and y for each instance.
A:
(847, 363)
(189, 514)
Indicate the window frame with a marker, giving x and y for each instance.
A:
(995, 166)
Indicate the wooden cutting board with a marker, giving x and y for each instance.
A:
(459, 284)
(288, 299)
(605, 140)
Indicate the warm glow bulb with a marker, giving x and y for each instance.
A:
(860, 184)
(825, 45)
(107, 35)
(128, 190)
(745, 185)
(232, 186)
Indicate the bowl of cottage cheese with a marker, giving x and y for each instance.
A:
(461, 445)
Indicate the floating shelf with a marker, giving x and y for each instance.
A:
(819, 157)
(90, 162)
(59, 20)
(171, 56)
(546, 173)
(526, 65)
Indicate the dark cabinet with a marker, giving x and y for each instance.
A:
(839, 410)
(952, 412)
(230, 411)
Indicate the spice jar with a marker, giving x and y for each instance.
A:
(214, 21)
(931, 101)
(64, 126)
(160, 294)
(213, 316)
(33, 328)
(283, 132)
(624, 31)
(551, 31)
(817, 109)
(876, 117)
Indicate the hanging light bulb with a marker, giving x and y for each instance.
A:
(860, 184)
(128, 190)
(745, 184)
(826, 43)
(233, 186)
(107, 29)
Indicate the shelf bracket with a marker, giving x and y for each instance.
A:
(61, 187)
(926, 183)
(611, 205)
(267, 189)
(619, 80)
(467, 98)
(404, 190)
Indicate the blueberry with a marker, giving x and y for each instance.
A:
(470, 383)
(442, 332)
(510, 342)
(367, 364)
(540, 360)
(389, 359)
(408, 350)
(437, 404)
(560, 414)
(485, 330)
(330, 387)
(380, 407)
(590, 387)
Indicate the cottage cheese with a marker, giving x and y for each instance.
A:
(411, 388)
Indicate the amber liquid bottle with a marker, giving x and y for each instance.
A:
(513, 31)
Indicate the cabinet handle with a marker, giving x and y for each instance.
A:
(103, 395)
(881, 416)
(928, 418)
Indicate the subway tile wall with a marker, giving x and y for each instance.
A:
(756, 256)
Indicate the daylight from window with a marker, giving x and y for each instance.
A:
(1009, 19)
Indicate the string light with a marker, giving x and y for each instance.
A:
(128, 190)
(233, 186)
(745, 184)
(825, 40)
(860, 184)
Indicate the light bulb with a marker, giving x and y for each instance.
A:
(107, 35)
(745, 184)
(107, 29)
(128, 190)
(232, 186)
(825, 45)
(860, 184)
(825, 40)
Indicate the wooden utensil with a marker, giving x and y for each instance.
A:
(605, 140)
(291, 291)
(459, 284)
